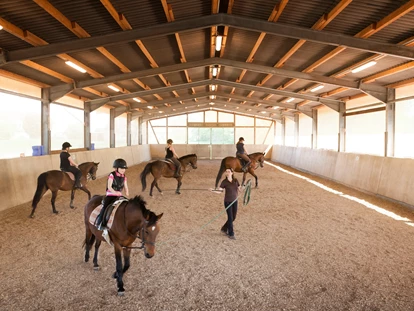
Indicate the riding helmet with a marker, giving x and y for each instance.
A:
(169, 141)
(120, 163)
(241, 139)
(66, 145)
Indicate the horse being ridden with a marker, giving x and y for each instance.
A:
(234, 163)
(132, 219)
(55, 180)
(165, 168)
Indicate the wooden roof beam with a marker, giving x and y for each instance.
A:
(319, 25)
(170, 18)
(124, 24)
(274, 16)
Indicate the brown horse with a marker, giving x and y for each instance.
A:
(256, 159)
(131, 220)
(166, 168)
(57, 180)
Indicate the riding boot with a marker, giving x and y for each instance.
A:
(246, 166)
(177, 172)
(77, 184)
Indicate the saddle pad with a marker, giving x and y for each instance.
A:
(97, 210)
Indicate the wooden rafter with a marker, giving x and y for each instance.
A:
(81, 33)
(124, 24)
(319, 25)
(365, 33)
(170, 18)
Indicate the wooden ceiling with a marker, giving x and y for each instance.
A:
(161, 55)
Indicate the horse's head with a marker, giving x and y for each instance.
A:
(148, 224)
(92, 170)
(193, 161)
(261, 159)
(189, 159)
(149, 233)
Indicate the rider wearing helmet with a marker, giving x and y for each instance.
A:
(68, 165)
(170, 154)
(242, 153)
(117, 182)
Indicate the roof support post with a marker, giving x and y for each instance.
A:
(140, 129)
(390, 125)
(342, 128)
(283, 130)
(129, 117)
(87, 125)
(296, 119)
(45, 126)
(314, 128)
(112, 128)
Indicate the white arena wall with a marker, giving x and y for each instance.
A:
(389, 177)
(21, 174)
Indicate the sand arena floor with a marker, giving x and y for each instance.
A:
(298, 247)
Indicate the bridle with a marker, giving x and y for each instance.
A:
(140, 236)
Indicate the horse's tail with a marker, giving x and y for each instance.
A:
(90, 242)
(221, 171)
(40, 190)
(144, 174)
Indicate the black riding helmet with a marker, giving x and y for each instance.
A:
(66, 145)
(120, 163)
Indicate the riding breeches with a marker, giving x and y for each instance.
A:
(244, 157)
(75, 171)
(176, 162)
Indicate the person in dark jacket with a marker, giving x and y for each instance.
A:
(117, 182)
(68, 165)
(172, 155)
(242, 153)
(231, 187)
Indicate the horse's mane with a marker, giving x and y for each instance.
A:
(188, 156)
(139, 202)
(256, 153)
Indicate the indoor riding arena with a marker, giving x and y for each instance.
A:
(321, 91)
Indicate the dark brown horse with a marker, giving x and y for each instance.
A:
(132, 219)
(57, 180)
(166, 168)
(256, 158)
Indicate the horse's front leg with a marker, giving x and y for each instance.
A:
(86, 190)
(95, 256)
(179, 183)
(244, 178)
(127, 254)
(118, 273)
(255, 177)
(72, 196)
(53, 200)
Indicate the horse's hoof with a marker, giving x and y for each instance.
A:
(55, 212)
(177, 192)
(31, 216)
(121, 293)
(97, 268)
(72, 207)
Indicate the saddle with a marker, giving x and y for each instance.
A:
(171, 164)
(109, 212)
(242, 161)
